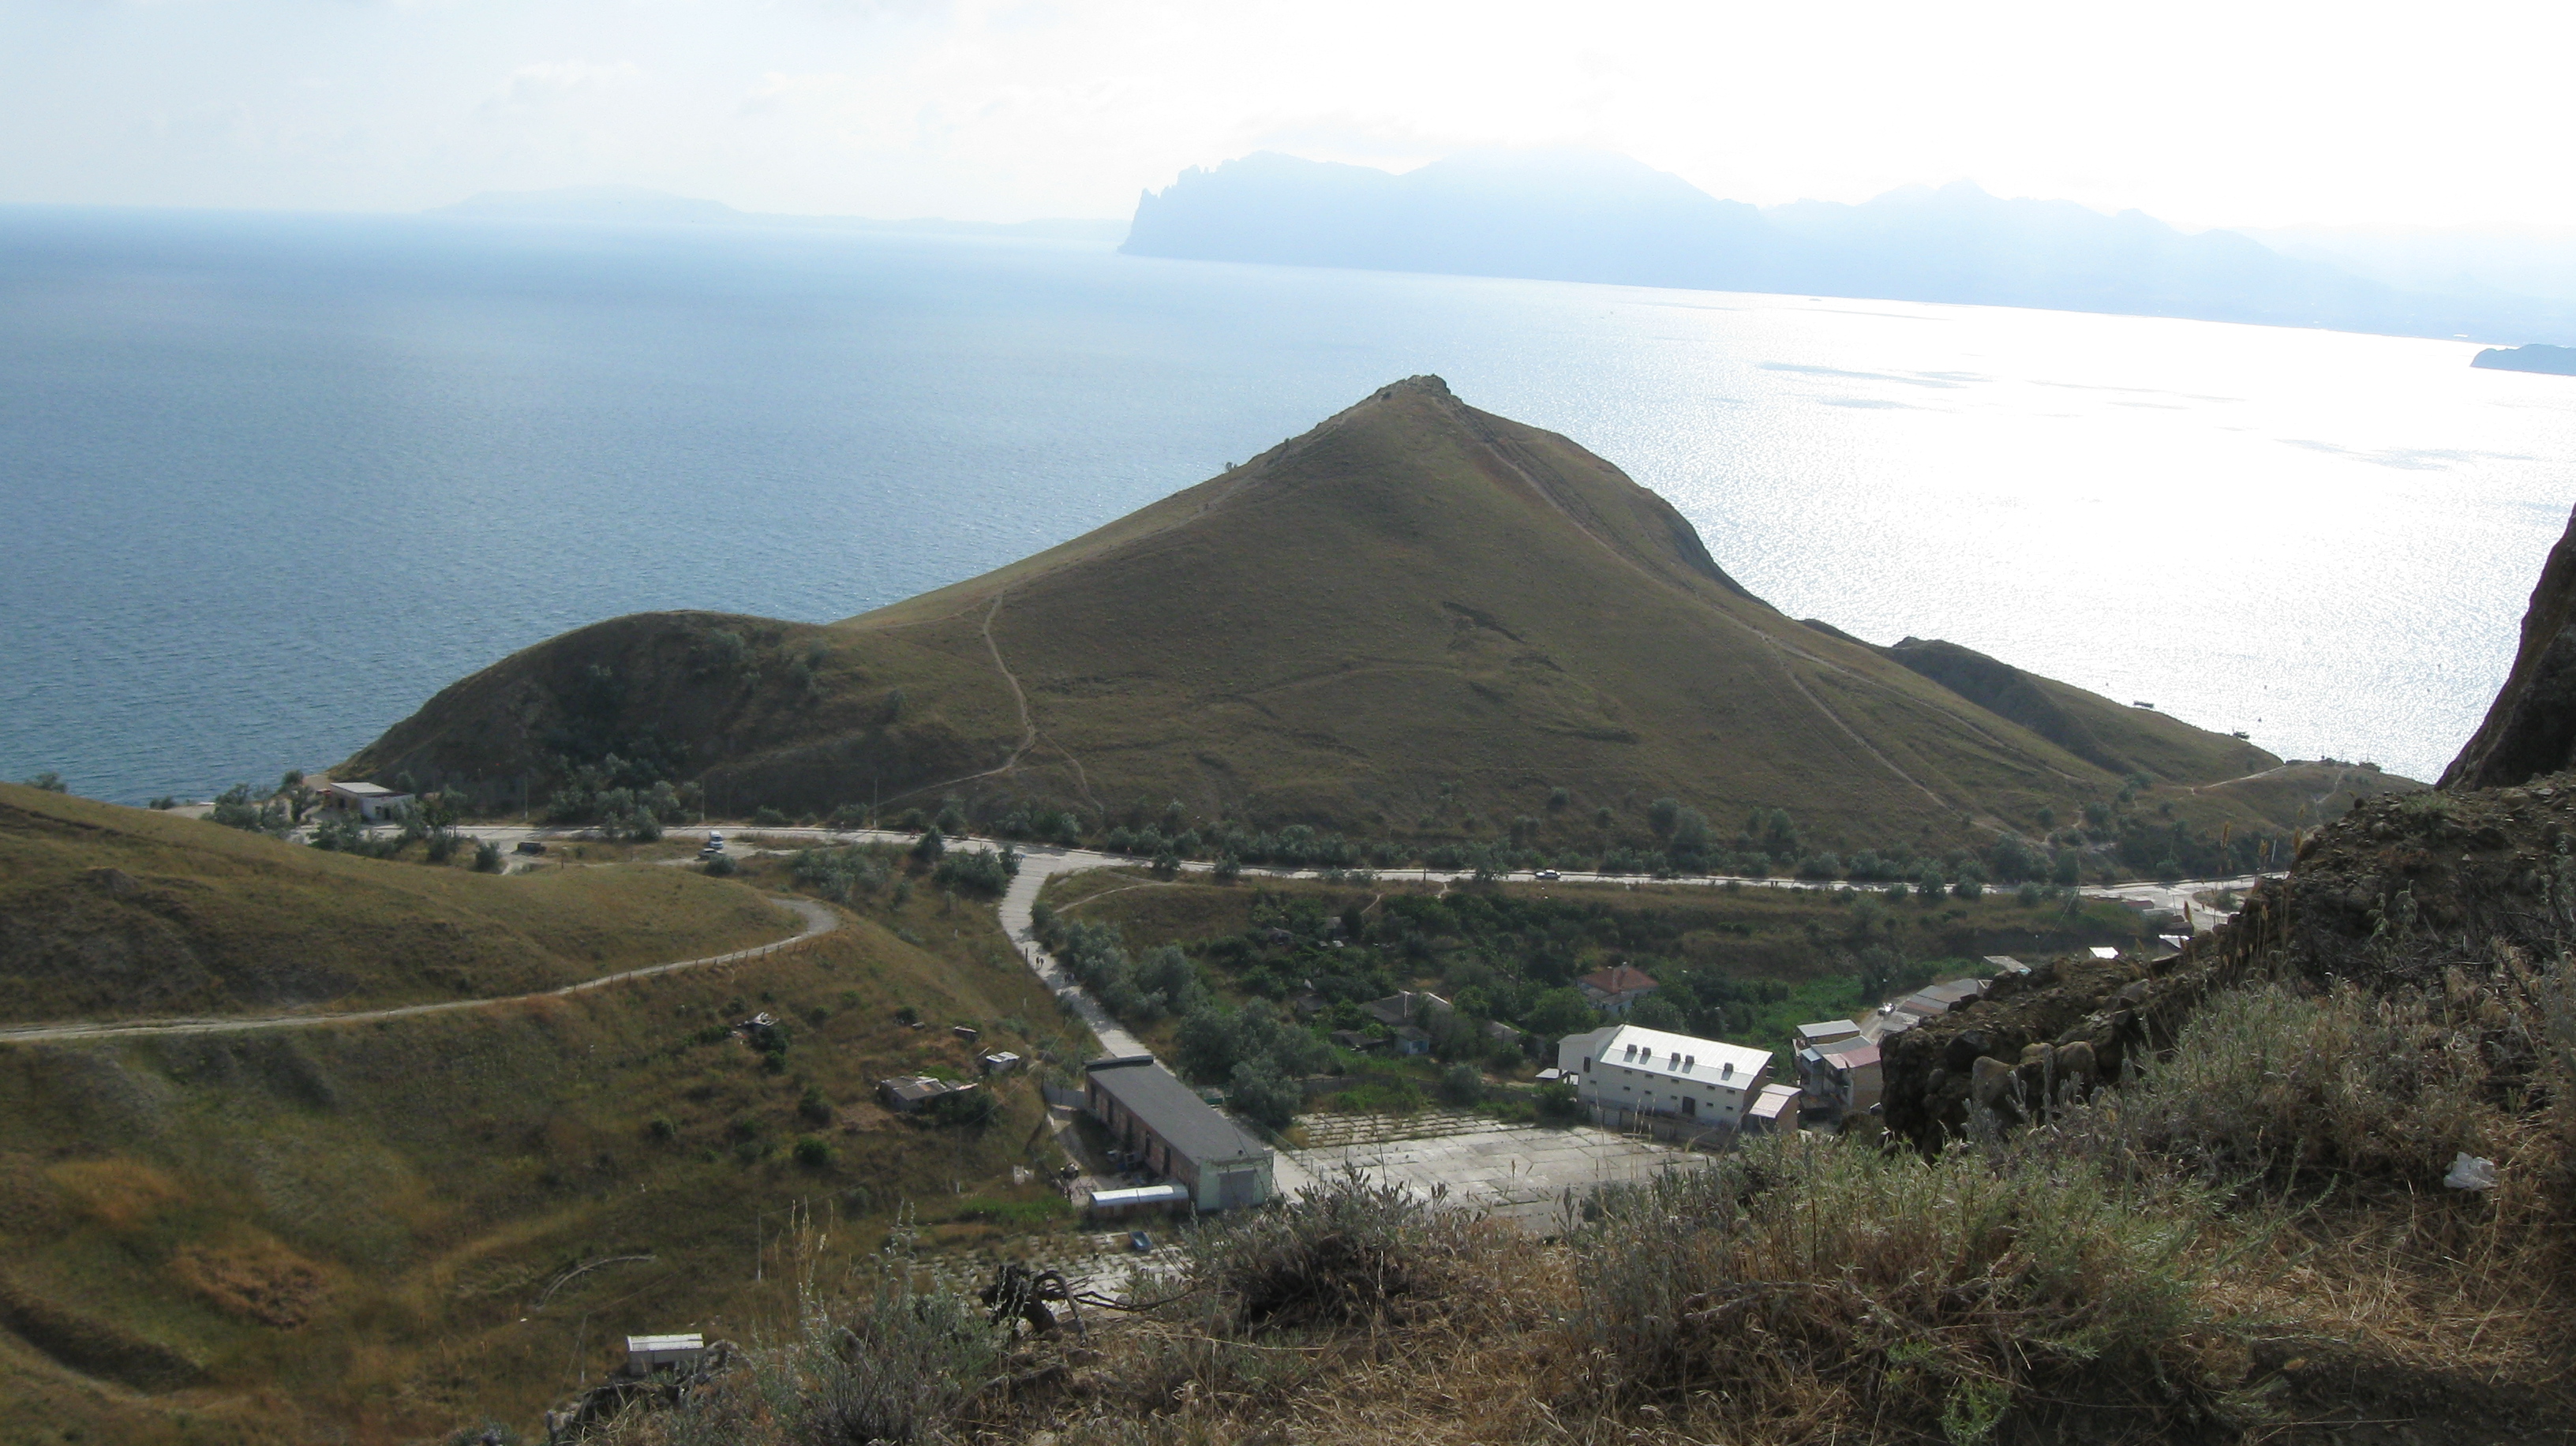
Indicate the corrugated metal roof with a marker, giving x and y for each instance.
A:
(1169, 1109)
(1666, 1054)
(1852, 1054)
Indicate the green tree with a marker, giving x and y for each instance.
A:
(50, 782)
(1560, 1012)
(930, 847)
(1662, 814)
(1258, 1091)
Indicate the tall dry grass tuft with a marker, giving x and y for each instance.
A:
(1820, 1287)
(2329, 1118)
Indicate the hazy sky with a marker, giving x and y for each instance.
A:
(2211, 114)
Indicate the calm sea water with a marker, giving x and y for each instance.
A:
(268, 482)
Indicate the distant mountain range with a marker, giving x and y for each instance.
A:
(635, 205)
(1589, 216)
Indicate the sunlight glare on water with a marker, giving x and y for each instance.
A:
(271, 481)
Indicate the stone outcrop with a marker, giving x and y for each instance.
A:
(2369, 900)
(2530, 729)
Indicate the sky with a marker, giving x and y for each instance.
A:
(2236, 114)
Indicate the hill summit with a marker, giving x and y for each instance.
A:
(1417, 618)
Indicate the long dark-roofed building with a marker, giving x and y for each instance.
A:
(1155, 1116)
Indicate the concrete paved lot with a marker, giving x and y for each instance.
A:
(1521, 1172)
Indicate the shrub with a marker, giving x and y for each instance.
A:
(52, 782)
(967, 1108)
(721, 866)
(767, 817)
(663, 1128)
(812, 1153)
(977, 871)
(1920, 1293)
(813, 1107)
(487, 857)
(1351, 1251)
(1462, 1084)
(929, 847)
(1558, 1104)
(2270, 1084)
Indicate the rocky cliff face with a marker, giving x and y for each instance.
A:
(2531, 727)
(2371, 898)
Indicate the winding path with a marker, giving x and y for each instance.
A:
(814, 918)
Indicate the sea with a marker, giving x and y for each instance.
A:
(269, 481)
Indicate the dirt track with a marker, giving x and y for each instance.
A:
(817, 919)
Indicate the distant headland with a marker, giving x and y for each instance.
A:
(1570, 215)
(2538, 357)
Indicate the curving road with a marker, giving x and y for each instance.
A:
(814, 918)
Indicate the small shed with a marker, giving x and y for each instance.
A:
(647, 1354)
(1000, 1061)
(1775, 1108)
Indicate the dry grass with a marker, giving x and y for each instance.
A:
(1414, 608)
(123, 912)
(2330, 1116)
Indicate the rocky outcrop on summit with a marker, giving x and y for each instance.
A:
(2531, 727)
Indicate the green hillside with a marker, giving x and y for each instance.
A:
(1417, 621)
(2121, 738)
(109, 912)
(376, 1233)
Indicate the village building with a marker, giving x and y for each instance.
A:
(1626, 1070)
(1408, 1006)
(1775, 1109)
(1811, 1036)
(1617, 988)
(1173, 1133)
(1843, 1076)
(369, 802)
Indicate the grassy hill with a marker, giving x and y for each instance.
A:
(375, 1233)
(109, 912)
(1417, 621)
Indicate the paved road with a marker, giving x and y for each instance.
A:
(813, 919)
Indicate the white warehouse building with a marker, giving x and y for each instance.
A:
(1625, 1069)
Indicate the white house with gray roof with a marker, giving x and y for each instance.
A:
(1628, 1069)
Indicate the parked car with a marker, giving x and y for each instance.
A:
(530, 846)
(1548, 874)
(715, 843)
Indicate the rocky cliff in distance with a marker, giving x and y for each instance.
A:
(2531, 727)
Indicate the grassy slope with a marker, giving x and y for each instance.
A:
(410, 1188)
(117, 912)
(1414, 597)
(2117, 737)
